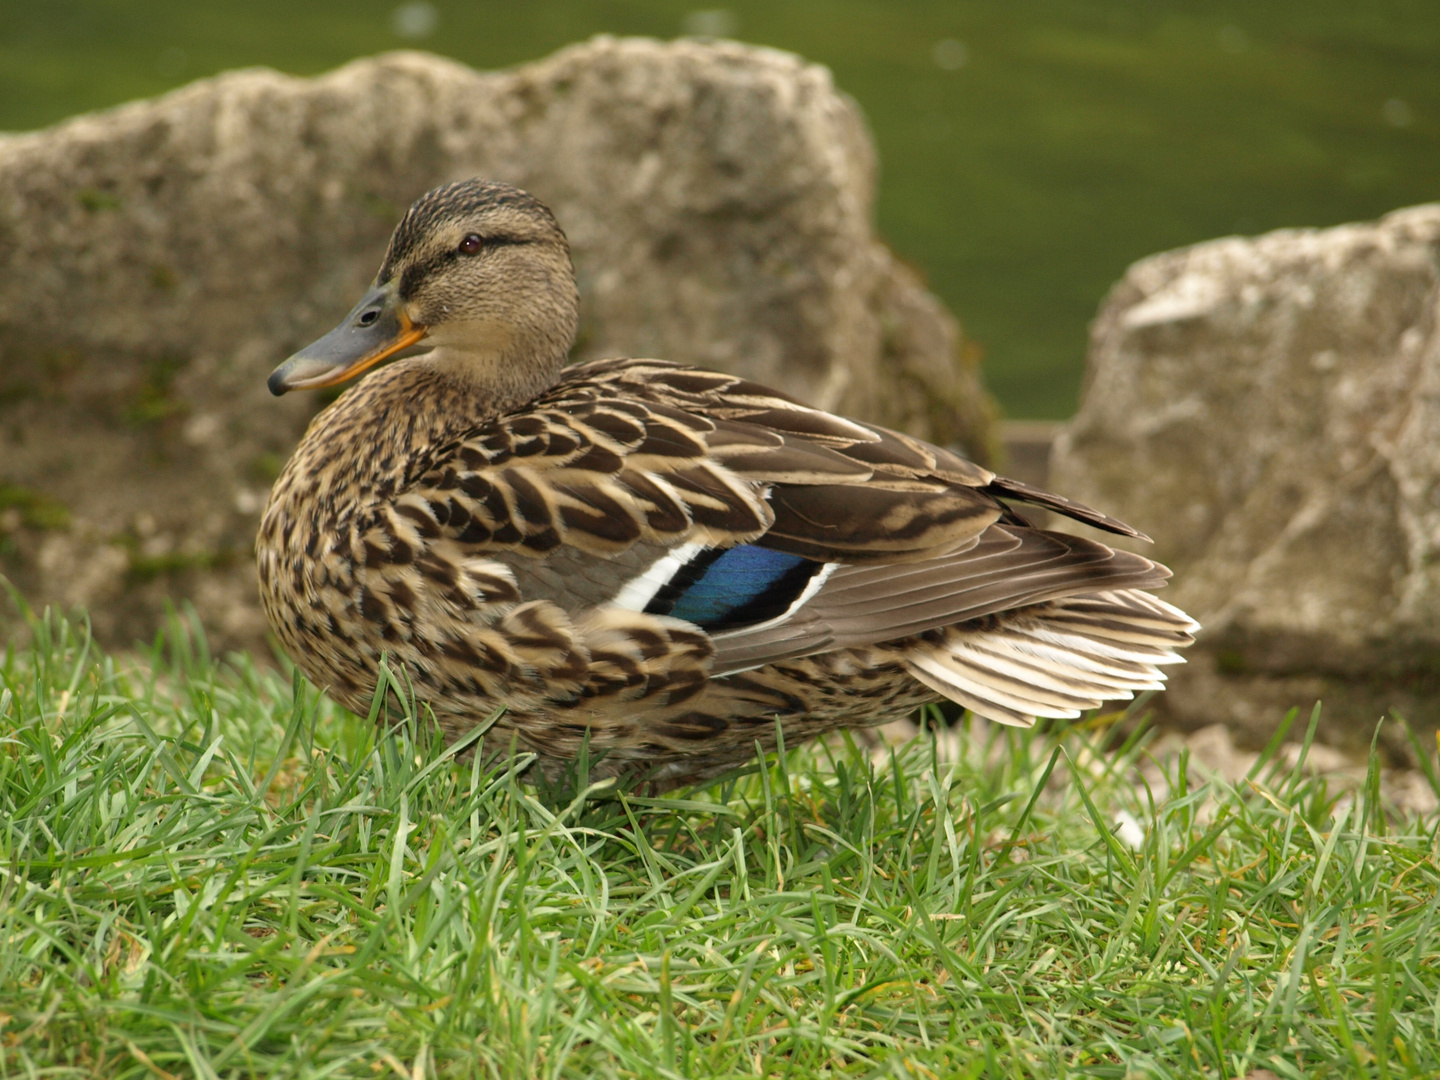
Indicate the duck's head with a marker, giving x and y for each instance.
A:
(479, 272)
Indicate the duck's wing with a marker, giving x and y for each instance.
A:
(1004, 569)
(778, 529)
(632, 453)
(908, 476)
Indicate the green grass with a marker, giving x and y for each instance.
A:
(207, 871)
(1078, 136)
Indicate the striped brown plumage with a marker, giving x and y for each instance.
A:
(506, 532)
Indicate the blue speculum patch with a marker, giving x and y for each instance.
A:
(721, 589)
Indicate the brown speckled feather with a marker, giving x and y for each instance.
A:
(611, 462)
(619, 452)
(513, 534)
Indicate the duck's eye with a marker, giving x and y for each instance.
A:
(471, 245)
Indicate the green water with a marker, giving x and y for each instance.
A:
(1026, 161)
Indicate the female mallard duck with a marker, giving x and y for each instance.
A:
(658, 558)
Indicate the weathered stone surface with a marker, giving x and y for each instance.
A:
(158, 259)
(1269, 410)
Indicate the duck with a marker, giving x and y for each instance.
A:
(664, 568)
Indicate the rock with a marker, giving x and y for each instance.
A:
(160, 258)
(1267, 409)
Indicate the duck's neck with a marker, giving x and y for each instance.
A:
(490, 364)
(382, 434)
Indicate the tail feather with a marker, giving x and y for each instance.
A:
(1055, 659)
(1128, 614)
(1017, 658)
(1019, 695)
(978, 704)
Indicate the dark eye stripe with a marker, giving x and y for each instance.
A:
(503, 241)
(417, 272)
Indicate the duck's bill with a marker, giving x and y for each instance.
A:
(376, 329)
